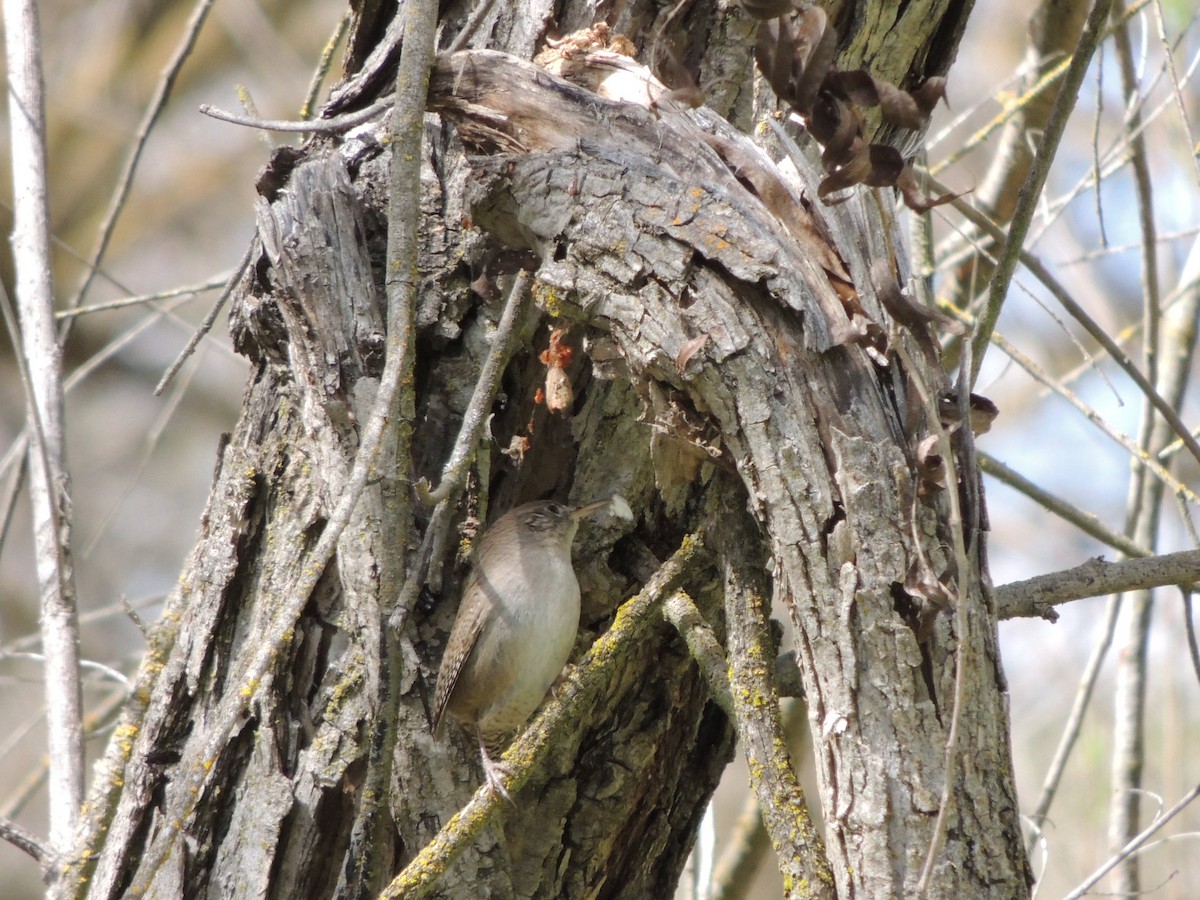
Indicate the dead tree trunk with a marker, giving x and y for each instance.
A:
(728, 335)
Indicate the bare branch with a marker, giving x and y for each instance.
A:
(26, 843)
(1039, 595)
(680, 610)
(39, 358)
(1089, 523)
(304, 126)
(799, 848)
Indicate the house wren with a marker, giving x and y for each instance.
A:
(516, 623)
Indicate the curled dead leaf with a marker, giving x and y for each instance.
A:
(795, 52)
(558, 393)
(920, 320)
(689, 350)
(558, 354)
(560, 396)
(981, 411)
(923, 584)
(983, 414)
(931, 467)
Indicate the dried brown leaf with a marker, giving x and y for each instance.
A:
(931, 467)
(774, 51)
(689, 350)
(914, 316)
(795, 53)
(815, 51)
(981, 411)
(560, 396)
(855, 87)
(517, 448)
(923, 584)
(851, 173)
(914, 199)
(886, 166)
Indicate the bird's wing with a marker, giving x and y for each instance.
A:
(463, 636)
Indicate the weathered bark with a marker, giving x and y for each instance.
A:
(644, 239)
(823, 437)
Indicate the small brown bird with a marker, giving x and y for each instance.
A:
(516, 623)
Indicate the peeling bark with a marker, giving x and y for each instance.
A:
(723, 321)
(821, 434)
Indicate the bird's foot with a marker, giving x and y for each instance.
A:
(493, 772)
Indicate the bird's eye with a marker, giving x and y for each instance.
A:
(547, 516)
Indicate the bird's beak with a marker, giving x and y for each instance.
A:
(615, 504)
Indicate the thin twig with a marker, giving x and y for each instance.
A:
(965, 652)
(454, 473)
(324, 64)
(1135, 453)
(142, 299)
(1087, 522)
(1031, 191)
(1095, 253)
(1151, 301)
(105, 670)
(1112, 162)
(123, 607)
(206, 326)
(1176, 84)
(478, 14)
(1117, 156)
(1008, 110)
(154, 108)
(1131, 847)
(1093, 328)
(1017, 107)
(8, 497)
(1189, 628)
(325, 126)
(1098, 194)
(25, 841)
